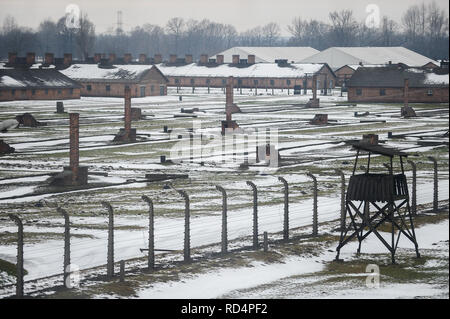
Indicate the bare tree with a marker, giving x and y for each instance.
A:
(271, 32)
(343, 28)
(85, 35)
(175, 27)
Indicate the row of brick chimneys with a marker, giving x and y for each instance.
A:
(30, 59)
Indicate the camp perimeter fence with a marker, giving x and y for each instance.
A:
(201, 230)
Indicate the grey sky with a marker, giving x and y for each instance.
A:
(243, 14)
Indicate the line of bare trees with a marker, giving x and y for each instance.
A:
(423, 28)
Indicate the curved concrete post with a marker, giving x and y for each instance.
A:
(435, 184)
(224, 219)
(187, 232)
(414, 187)
(20, 270)
(151, 233)
(110, 257)
(255, 214)
(66, 265)
(315, 214)
(286, 209)
(342, 175)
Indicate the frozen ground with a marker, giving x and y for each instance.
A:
(304, 147)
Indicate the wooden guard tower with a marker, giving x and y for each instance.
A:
(375, 199)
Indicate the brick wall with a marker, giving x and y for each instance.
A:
(260, 83)
(395, 95)
(39, 94)
(152, 88)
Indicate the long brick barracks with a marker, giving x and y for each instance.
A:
(106, 75)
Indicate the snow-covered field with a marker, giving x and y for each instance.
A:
(303, 147)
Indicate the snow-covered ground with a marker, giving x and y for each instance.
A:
(304, 147)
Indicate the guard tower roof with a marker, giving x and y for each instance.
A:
(377, 149)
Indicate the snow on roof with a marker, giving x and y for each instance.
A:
(6, 80)
(337, 57)
(117, 72)
(432, 78)
(35, 78)
(259, 70)
(269, 54)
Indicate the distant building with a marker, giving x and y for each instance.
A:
(337, 57)
(386, 84)
(36, 84)
(247, 74)
(267, 54)
(111, 79)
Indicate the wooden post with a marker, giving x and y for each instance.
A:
(315, 214)
(224, 219)
(19, 264)
(66, 269)
(151, 234)
(255, 214)
(110, 256)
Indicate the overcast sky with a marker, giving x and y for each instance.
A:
(243, 14)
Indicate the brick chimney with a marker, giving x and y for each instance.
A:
(112, 58)
(127, 105)
(31, 58)
(74, 145)
(158, 58)
(127, 58)
(219, 59)
(67, 59)
(188, 59)
(49, 58)
(142, 58)
(235, 59)
(97, 57)
(251, 59)
(12, 57)
(405, 92)
(173, 58)
(203, 58)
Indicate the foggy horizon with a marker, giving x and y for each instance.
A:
(235, 12)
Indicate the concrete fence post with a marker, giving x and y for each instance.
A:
(151, 233)
(266, 242)
(187, 233)
(341, 173)
(315, 214)
(66, 265)
(122, 271)
(414, 187)
(224, 219)
(19, 264)
(435, 184)
(286, 209)
(255, 214)
(110, 256)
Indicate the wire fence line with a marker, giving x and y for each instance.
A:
(205, 230)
